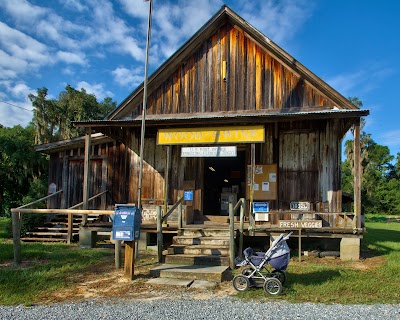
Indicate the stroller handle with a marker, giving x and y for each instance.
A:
(287, 236)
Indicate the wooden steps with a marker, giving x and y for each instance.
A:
(56, 230)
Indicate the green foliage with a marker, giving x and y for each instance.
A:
(20, 166)
(4, 232)
(380, 174)
(53, 119)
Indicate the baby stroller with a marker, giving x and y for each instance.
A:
(256, 272)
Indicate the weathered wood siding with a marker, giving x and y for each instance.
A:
(255, 80)
(309, 164)
(113, 167)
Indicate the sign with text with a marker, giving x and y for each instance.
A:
(212, 135)
(300, 206)
(188, 195)
(300, 224)
(218, 152)
(259, 207)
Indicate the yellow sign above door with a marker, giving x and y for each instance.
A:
(212, 135)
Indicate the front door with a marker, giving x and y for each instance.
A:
(223, 178)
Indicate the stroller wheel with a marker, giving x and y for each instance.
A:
(279, 274)
(273, 286)
(241, 282)
(247, 271)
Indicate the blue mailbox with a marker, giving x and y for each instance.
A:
(126, 223)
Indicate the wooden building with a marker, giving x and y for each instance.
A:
(230, 115)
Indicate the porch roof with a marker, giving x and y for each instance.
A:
(262, 116)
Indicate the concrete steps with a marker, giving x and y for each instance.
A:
(197, 254)
(192, 272)
(193, 259)
(199, 250)
(207, 240)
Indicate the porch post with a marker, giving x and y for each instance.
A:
(166, 180)
(86, 169)
(16, 228)
(253, 169)
(357, 173)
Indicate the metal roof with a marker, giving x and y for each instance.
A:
(228, 117)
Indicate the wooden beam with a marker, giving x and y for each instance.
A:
(231, 236)
(64, 203)
(117, 254)
(86, 170)
(159, 234)
(16, 228)
(64, 211)
(357, 173)
(166, 178)
(129, 264)
(253, 170)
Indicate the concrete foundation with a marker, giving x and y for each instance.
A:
(350, 249)
(87, 238)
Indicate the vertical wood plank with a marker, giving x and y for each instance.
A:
(129, 265)
(357, 173)
(16, 227)
(86, 170)
(160, 244)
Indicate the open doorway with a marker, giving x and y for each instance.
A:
(223, 177)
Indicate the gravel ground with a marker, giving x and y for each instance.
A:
(187, 309)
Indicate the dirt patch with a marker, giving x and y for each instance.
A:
(105, 282)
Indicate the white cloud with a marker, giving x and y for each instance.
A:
(172, 25)
(391, 138)
(22, 10)
(360, 82)
(278, 20)
(74, 5)
(71, 58)
(15, 104)
(128, 77)
(97, 89)
(136, 8)
(110, 32)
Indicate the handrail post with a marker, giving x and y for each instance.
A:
(231, 236)
(242, 202)
(159, 233)
(16, 227)
(70, 227)
(180, 223)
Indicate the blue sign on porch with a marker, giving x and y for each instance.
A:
(188, 195)
(259, 207)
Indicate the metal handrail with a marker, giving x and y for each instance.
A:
(41, 199)
(90, 199)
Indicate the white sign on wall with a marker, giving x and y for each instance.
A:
(194, 152)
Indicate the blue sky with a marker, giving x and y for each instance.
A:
(99, 45)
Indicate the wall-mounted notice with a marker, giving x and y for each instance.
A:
(265, 177)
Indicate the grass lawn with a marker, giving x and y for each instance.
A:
(51, 269)
(371, 280)
(45, 268)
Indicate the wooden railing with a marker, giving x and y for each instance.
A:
(163, 219)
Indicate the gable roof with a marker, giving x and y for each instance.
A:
(224, 15)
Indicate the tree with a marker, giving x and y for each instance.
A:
(380, 177)
(53, 119)
(20, 165)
